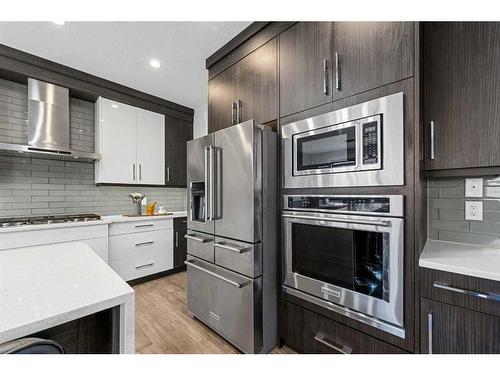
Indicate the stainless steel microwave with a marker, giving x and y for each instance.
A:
(361, 145)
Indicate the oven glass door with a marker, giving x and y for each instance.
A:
(326, 150)
(351, 259)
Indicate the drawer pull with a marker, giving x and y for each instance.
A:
(325, 340)
(197, 239)
(144, 225)
(147, 265)
(471, 293)
(231, 248)
(144, 243)
(233, 283)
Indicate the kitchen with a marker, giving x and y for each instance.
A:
(328, 195)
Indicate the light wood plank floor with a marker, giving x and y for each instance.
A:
(163, 325)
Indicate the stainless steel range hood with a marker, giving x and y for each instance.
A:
(48, 124)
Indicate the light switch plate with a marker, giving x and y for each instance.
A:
(144, 201)
(474, 187)
(474, 210)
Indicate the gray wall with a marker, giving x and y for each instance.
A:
(33, 186)
(446, 215)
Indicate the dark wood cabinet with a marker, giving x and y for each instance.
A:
(448, 329)
(367, 55)
(177, 133)
(308, 332)
(461, 86)
(306, 66)
(246, 90)
(180, 243)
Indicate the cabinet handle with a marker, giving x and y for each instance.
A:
(322, 338)
(325, 76)
(433, 156)
(133, 171)
(238, 111)
(233, 112)
(144, 266)
(144, 243)
(337, 71)
(176, 239)
(168, 174)
(429, 332)
(143, 225)
(140, 172)
(471, 293)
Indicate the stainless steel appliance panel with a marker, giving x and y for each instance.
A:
(239, 183)
(48, 116)
(200, 245)
(227, 302)
(390, 308)
(388, 171)
(239, 256)
(198, 182)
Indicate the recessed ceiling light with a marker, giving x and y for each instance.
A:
(114, 105)
(155, 63)
(60, 23)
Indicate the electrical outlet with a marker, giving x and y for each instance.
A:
(144, 201)
(473, 210)
(474, 187)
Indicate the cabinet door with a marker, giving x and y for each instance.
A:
(178, 132)
(304, 50)
(370, 54)
(116, 142)
(447, 329)
(150, 148)
(221, 96)
(257, 85)
(180, 242)
(462, 94)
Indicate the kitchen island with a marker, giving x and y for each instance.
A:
(48, 286)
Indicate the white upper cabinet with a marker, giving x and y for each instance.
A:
(131, 142)
(150, 147)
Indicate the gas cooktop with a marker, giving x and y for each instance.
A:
(7, 222)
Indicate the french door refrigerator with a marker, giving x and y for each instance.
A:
(231, 239)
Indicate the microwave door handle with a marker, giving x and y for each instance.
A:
(382, 223)
(208, 203)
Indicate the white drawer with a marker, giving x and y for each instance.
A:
(134, 244)
(139, 226)
(143, 265)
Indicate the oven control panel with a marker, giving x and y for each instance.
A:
(343, 204)
(370, 142)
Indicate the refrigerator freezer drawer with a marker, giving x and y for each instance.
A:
(200, 245)
(229, 303)
(239, 256)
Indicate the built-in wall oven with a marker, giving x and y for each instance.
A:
(361, 145)
(346, 253)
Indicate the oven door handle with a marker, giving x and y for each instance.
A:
(382, 223)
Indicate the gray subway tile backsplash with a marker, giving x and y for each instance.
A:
(35, 186)
(446, 212)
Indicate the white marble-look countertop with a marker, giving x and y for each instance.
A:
(44, 286)
(464, 259)
(122, 218)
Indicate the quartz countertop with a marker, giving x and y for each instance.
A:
(44, 286)
(472, 260)
(122, 218)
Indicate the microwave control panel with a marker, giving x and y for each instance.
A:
(370, 142)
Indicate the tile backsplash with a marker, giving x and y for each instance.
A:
(446, 213)
(34, 186)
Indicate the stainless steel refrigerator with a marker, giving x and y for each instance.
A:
(231, 239)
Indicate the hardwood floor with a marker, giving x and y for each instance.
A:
(163, 325)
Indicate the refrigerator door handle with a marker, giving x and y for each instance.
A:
(208, 182)
(217, 185)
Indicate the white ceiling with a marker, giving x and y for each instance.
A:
(121, 51)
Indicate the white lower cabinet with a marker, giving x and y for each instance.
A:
(141, 252)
